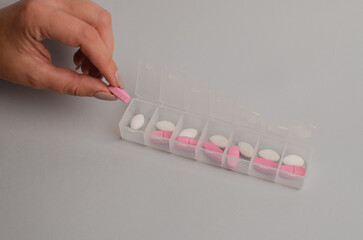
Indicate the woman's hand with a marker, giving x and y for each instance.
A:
(77, 23)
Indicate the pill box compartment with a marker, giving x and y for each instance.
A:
(161, 114)
(188, 121)
(164, 94)
(241, 164)
(274, 138)
(136, 106)
(300, 143)
(214, 127)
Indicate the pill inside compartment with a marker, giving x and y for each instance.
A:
(208, 152)
(159, 138)
(291, 171)
(242, 149)
(186, 146)
(137, 106)
(267, 158)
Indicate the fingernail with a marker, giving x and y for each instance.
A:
(105, 96)
(119, 80)
(78, 67)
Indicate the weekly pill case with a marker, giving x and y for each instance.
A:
(164, 94)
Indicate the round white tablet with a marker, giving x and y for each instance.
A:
(219, 140)
(246, 149)
(269, 154)
(137, 121)
(165, 126)
(189, 132)
(294, 160)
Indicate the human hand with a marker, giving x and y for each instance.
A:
(78, 23)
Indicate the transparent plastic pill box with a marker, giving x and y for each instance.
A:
(163, 94)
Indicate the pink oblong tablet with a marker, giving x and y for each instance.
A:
(214, 148)
(187, 141)
(159, 136)
(286, 169)
(265, 166)
(233, 155)
(120, 93)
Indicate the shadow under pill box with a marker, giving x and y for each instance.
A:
(188, 119)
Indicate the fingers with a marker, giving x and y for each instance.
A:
(78, 57)
(75, 32)
(94, 15)
(65, 81)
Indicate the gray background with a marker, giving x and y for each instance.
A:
(66, 174)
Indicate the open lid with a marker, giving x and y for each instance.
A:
(148, 82)
(250, 119)
(172, 88)
(222, 106)
(303, 133)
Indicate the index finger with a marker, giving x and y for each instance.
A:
(94, 15)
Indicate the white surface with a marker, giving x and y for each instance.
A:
(66, 174)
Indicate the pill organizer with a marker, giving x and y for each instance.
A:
(164, 94)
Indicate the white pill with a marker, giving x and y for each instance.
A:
(246, 149)
(165, 126)
(269, 154)
(189, 132)
(219, 140)
(137, 121)
(293, 160)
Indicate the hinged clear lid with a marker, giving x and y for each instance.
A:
(303, 133)
(171, 88)
(148, 82)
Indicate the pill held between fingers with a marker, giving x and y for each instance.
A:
(189, 132)
(246, 149)
(137, 121)
(165, 126)
(219, 140)
(120, 93)
(269, 154)
(294, 160)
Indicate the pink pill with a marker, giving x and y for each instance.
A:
(183, 143)
(120, 93)
(214, 148)
(265, 166)
(233, 155)
(291, 169)
(159, 136)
